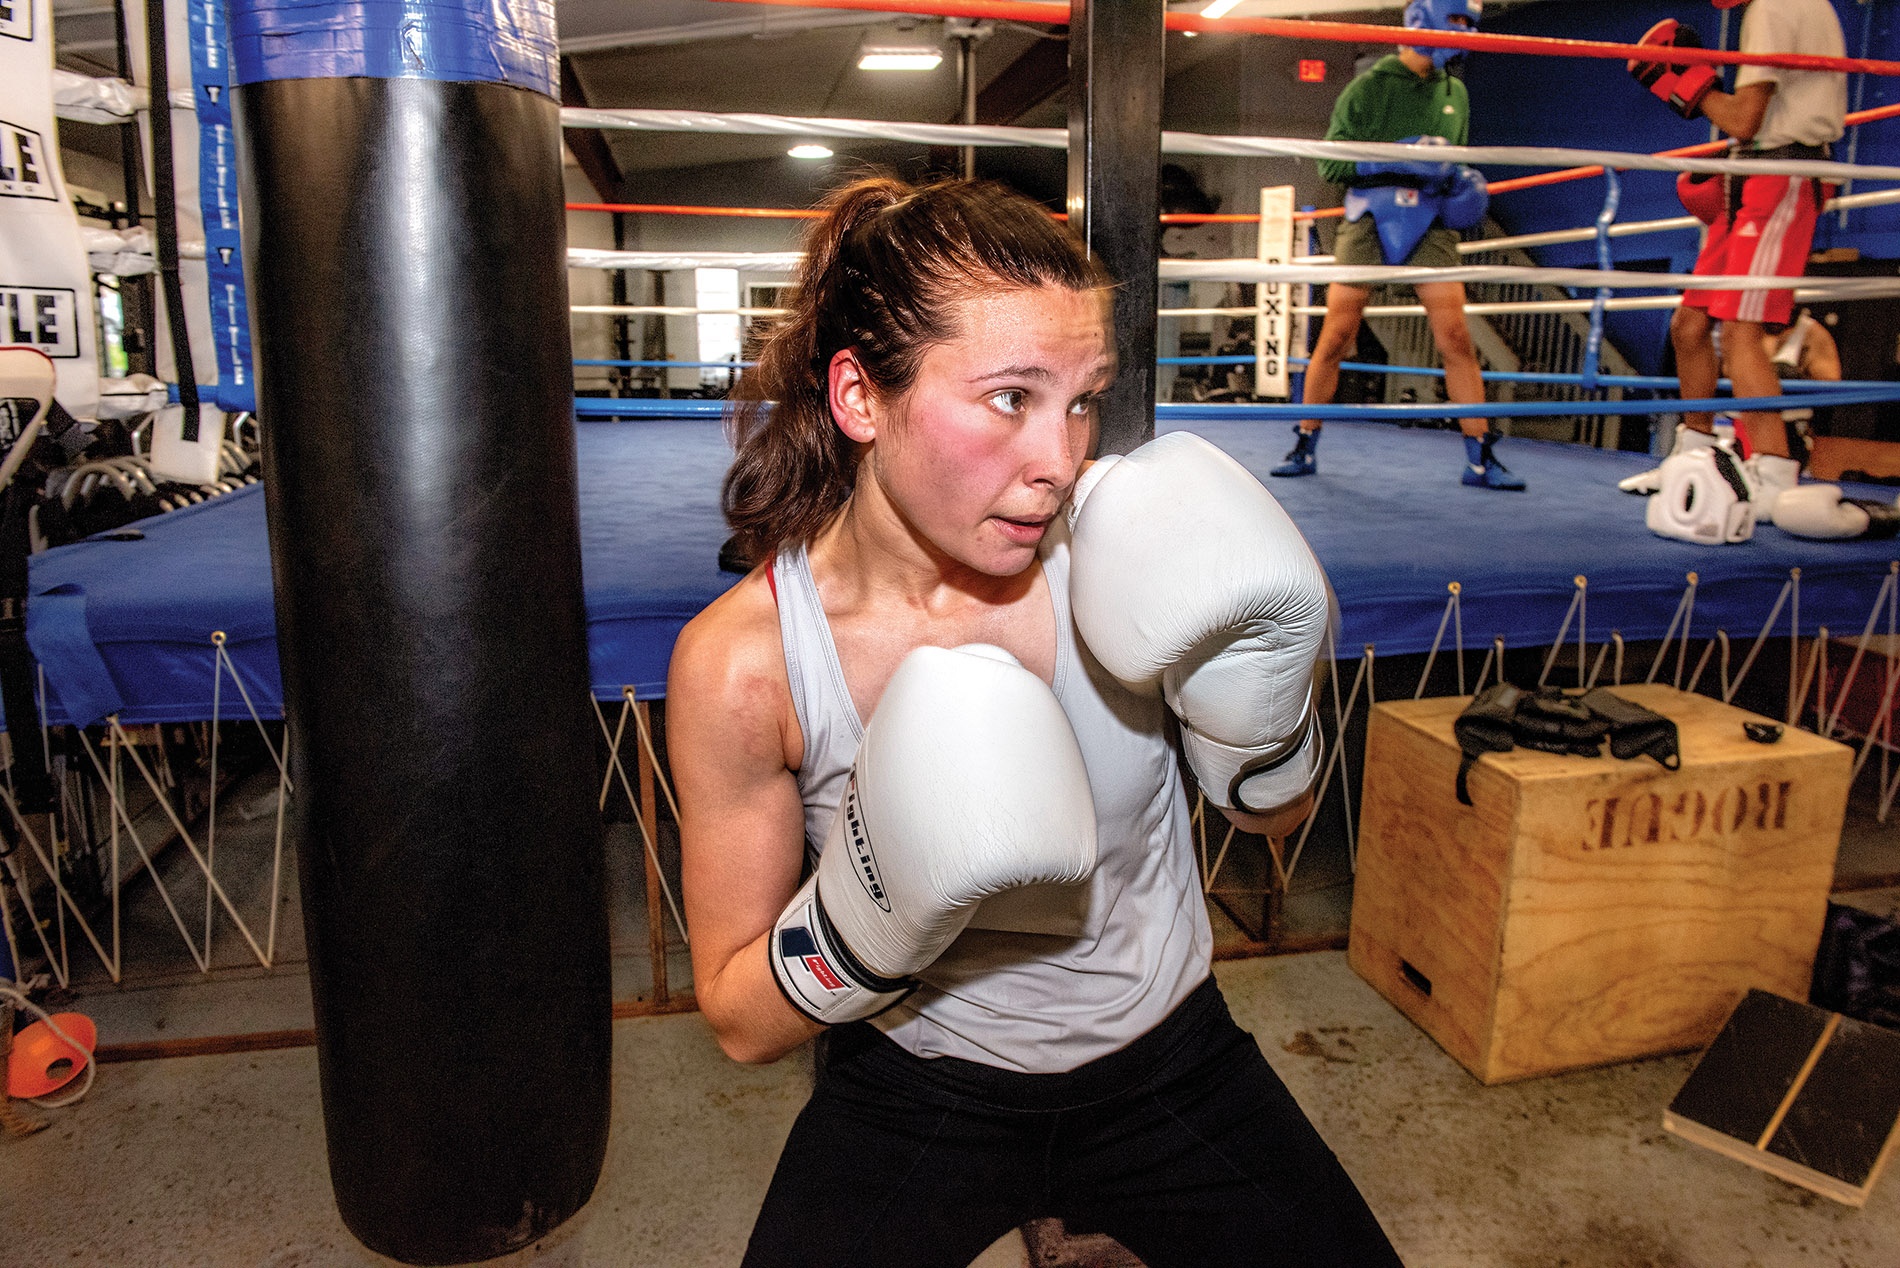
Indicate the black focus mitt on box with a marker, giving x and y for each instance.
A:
(1488, 725)
(1634, 730)
(1552, 722)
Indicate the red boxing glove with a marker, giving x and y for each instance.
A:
(1682, 88)
(1703, 196)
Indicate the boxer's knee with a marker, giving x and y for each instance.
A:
(1689, 329)
(1454, 344)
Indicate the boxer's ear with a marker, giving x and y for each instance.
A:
(853, 402)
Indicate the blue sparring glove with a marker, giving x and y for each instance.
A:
(1465, 201)
(1425, 175)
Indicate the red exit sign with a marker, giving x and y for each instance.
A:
(1312, 70)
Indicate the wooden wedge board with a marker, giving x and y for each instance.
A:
(1804, 1094)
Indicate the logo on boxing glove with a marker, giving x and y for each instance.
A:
(861, 854)
(796, 945)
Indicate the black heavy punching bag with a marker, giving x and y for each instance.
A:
(406, 254)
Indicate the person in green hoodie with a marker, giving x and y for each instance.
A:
(1406, 213)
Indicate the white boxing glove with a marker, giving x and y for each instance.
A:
(968, 782)
(1819, 510)
(1185, 570)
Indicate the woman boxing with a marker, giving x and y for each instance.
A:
(922, 820)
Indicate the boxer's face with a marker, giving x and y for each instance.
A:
(981, 453)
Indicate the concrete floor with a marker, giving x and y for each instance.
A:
(219, 1161)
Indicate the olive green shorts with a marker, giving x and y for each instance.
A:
(1358, 244)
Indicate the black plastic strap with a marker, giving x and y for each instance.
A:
(1730, 469)
(1464, 772)
(1297, 741)
(165, 201)
(850, 963)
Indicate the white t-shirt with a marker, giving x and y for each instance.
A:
(1809, 106)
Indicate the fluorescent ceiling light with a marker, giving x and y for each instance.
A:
(907, 57)
(1220, 8)
(809, 152)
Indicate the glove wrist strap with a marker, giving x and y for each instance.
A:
(818, 973)
(1256, 780)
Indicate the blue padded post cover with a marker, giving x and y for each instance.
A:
(487, 41)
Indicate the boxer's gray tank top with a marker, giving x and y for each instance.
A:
(1050, 977)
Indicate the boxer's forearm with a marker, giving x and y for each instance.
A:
(1739, 114)
(1281, 822)
(750, 1016)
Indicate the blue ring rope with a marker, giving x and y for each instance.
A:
(1647, 381)
(1865, 394)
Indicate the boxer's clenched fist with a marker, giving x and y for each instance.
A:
(1186, 571)
(968, 782)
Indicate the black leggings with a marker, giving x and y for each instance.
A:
(1184, 1146)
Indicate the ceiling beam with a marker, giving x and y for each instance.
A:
(589, 147)
(765, 25)
(1039, 74)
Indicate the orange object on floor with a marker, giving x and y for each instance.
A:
(42, 1063)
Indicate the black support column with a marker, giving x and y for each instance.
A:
(1115, 79)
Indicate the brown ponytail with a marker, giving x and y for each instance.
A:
(883, 268)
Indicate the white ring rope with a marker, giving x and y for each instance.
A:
(1636, 228)
(85, 99)
(744, 124)
(1510, 274)
(1528, 156)
(1242, 270)
(669, 261)
(959, 134)
(680, 310)
(1643, 303)
(1500, 308)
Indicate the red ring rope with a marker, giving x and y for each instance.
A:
(675, 209)
(1357, 33)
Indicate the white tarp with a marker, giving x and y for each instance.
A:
(46, 296)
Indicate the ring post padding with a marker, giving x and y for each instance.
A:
(453, 41)
(403, 237)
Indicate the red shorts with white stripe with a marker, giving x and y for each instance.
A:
(1770, 237)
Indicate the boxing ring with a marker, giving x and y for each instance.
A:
(125, 626)
(173, 622)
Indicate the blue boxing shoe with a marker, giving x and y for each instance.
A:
(1303, 458)
(1483, 469)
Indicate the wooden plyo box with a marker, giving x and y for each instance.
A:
(1590, 910)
